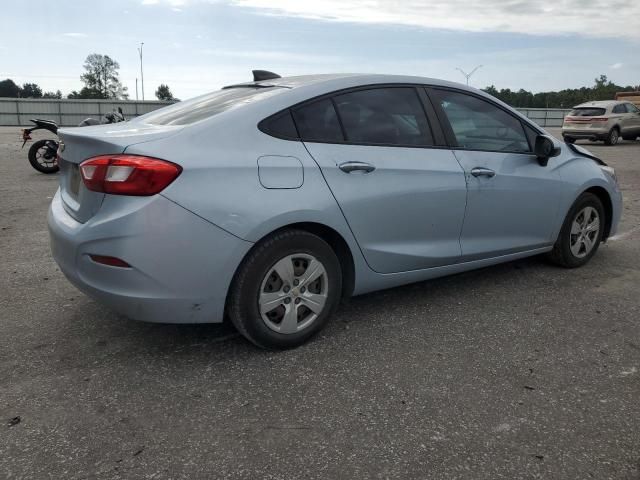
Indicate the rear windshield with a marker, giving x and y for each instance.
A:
(205, 106)
(587, 112)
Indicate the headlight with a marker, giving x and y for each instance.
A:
(610, 171)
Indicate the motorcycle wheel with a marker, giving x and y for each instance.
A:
(41, 157)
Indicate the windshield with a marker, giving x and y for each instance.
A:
(587, 112)
(205, 106)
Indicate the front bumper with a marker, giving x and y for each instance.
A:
(181, 265)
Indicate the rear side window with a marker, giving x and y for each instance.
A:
(280, 125)
(205, 106)
(384, 116)
(619, 109)
(480, 125)
(587, 112)
(318, 122)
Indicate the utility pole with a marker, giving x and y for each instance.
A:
(141, 72)
(468, 75)
(136, 89)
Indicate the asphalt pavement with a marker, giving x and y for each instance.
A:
(522, 370)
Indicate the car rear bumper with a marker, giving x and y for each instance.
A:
(587, 134)
(181, 265)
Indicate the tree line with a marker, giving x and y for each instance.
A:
(603, 89)
(101, 80)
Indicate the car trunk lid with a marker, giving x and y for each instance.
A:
(80, 143)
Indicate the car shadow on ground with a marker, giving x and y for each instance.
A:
(161, 338)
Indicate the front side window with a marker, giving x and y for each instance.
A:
(384, 116)
(318, 122)
(480, 125)
(631, 108)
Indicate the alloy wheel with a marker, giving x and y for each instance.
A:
(585, 231)
(293, 293)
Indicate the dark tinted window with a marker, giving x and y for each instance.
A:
(280, 125)
(619, 109)
(205, 106)
(531, 135)
(318, 121)
(480, 125)
(631, 108)
(587, 112)
(387, 116)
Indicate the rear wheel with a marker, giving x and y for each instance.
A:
(42, 156)
(581, 232)
(613, 137)
(569, 140)
(285, 290)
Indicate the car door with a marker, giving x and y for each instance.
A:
(512, 201)
(402, 196)
(633, 118)
(621, 118)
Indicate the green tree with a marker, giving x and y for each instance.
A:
(164, 93)
(87, 93)
(31, 90)
(56, 94)
(8, 88)
(101, 78)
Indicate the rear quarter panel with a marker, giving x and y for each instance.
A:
(220, 180)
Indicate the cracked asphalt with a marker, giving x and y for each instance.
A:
(522, 370)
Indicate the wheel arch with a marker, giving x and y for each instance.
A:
(604, 197)
(335, 240)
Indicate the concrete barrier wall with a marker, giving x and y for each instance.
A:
(18, 111)
(546, 117)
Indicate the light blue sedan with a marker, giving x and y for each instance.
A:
(270, 201)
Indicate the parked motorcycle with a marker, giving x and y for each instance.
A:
(43, 154)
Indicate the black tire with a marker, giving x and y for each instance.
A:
(569, 140)
(245, 292)
(613, 137)
(41, 161)
(562, 253)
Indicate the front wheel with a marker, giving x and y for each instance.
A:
(42, 156)
(581, 233)
(285, 290)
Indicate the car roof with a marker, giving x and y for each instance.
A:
(348, 79)
(600, 104)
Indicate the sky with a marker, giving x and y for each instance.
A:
(197, 46)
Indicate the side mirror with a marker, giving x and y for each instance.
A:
(545, 149)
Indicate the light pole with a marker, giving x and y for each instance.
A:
(468, 75)
(141, 73)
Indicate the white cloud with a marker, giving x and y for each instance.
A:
(75, 35)
(596, 18)
(616, 66)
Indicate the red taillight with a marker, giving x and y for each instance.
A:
(128, 174)
(600, 119)
(111, 261)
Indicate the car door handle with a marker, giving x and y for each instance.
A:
(349, 167)
(483, 172)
